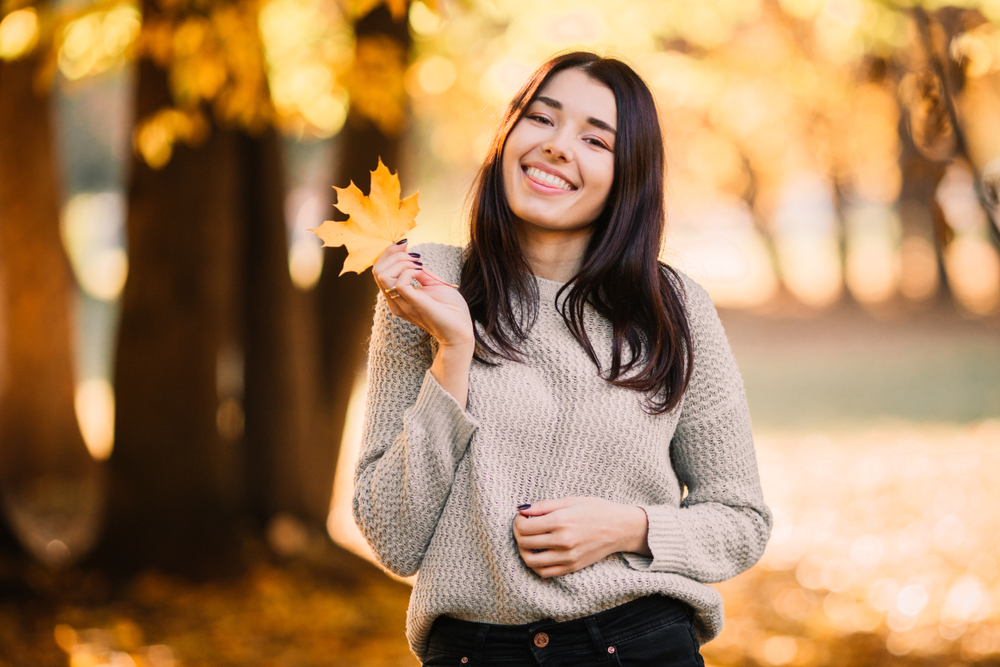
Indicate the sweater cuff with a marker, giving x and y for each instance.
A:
(442, 417)
(666, 541)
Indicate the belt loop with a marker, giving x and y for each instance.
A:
(595, 636)
(477, 652)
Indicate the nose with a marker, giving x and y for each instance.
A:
(558, 147)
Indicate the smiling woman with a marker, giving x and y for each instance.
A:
(559, 162)
(528, 437)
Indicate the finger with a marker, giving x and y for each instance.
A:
(538, 542)
(545, 558)
(546, 506)
(536, 525)
(387, 273)
(385, 261)
(412, 300)
(413, 293)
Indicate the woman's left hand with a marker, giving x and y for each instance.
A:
(556, 537)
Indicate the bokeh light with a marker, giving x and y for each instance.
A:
(95, 412)
(97, 42)
(307, 47)
(18, 33)
(92, 230)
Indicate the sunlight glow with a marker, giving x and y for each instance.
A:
(918, 278)
(720, 248)
(95, 412)
(154, 138)
(305, 209)
(974, 273)
(18, 33)
(340, 523)
(424, 21)
(305, 262)
(979, 49)
(92, 224)
(307, 48)
(873, 267)
(434, 75)
(97, 42)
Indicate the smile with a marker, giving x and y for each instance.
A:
(545, 178)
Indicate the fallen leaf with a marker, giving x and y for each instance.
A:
(375, 221)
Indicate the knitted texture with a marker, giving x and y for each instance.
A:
(437, 486)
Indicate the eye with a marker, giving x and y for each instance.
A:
(599, 143)
(539, 118)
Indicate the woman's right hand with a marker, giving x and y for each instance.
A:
(435, 307)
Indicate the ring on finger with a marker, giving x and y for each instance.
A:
(392, 292)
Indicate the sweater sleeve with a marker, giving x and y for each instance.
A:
(414, 435)
(722, 525)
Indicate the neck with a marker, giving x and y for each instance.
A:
(554, 255)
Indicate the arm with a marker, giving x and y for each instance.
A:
(415, 432)
(722, 526)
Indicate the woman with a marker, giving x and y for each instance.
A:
(529, 437)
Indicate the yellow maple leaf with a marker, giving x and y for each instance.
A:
(375, 221)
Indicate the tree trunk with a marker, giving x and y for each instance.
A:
(175, 480)
(46, 474)
(280, 356)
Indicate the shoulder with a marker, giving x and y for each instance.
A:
(443, 260)
(695, 298)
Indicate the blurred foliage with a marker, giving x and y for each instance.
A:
(302, 613)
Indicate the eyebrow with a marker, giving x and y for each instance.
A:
(596, 122)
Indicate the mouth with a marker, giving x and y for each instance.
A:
(547, 179)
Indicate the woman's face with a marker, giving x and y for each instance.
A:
(558, 161)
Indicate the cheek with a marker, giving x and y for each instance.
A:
(602, 178)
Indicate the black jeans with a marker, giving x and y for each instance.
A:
(653, 630)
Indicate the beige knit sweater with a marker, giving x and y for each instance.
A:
(437, 487)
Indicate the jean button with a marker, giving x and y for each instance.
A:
(541, 640)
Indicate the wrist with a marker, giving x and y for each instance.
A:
(451, 367)
(456, 351)
(635, 530)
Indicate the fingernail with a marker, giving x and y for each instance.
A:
(523, 507)
(401, 242)
(414, 254)
(419, 263)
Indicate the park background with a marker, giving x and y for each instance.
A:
(181, 376)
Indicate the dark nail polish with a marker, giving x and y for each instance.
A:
(414, 254)
(523, 507)
(419, 263)
(401, 242)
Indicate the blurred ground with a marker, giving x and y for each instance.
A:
(328, 608)
(878, 445)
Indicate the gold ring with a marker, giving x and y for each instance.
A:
(392, 292)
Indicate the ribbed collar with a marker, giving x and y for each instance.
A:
(547, 289)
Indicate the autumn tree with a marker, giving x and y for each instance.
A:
(45, 470)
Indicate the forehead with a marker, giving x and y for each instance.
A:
(580, 94)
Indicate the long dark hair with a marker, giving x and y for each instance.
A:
(620, 277)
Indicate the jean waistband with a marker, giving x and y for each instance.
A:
(614, 625)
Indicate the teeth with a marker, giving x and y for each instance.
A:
(547, 178)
